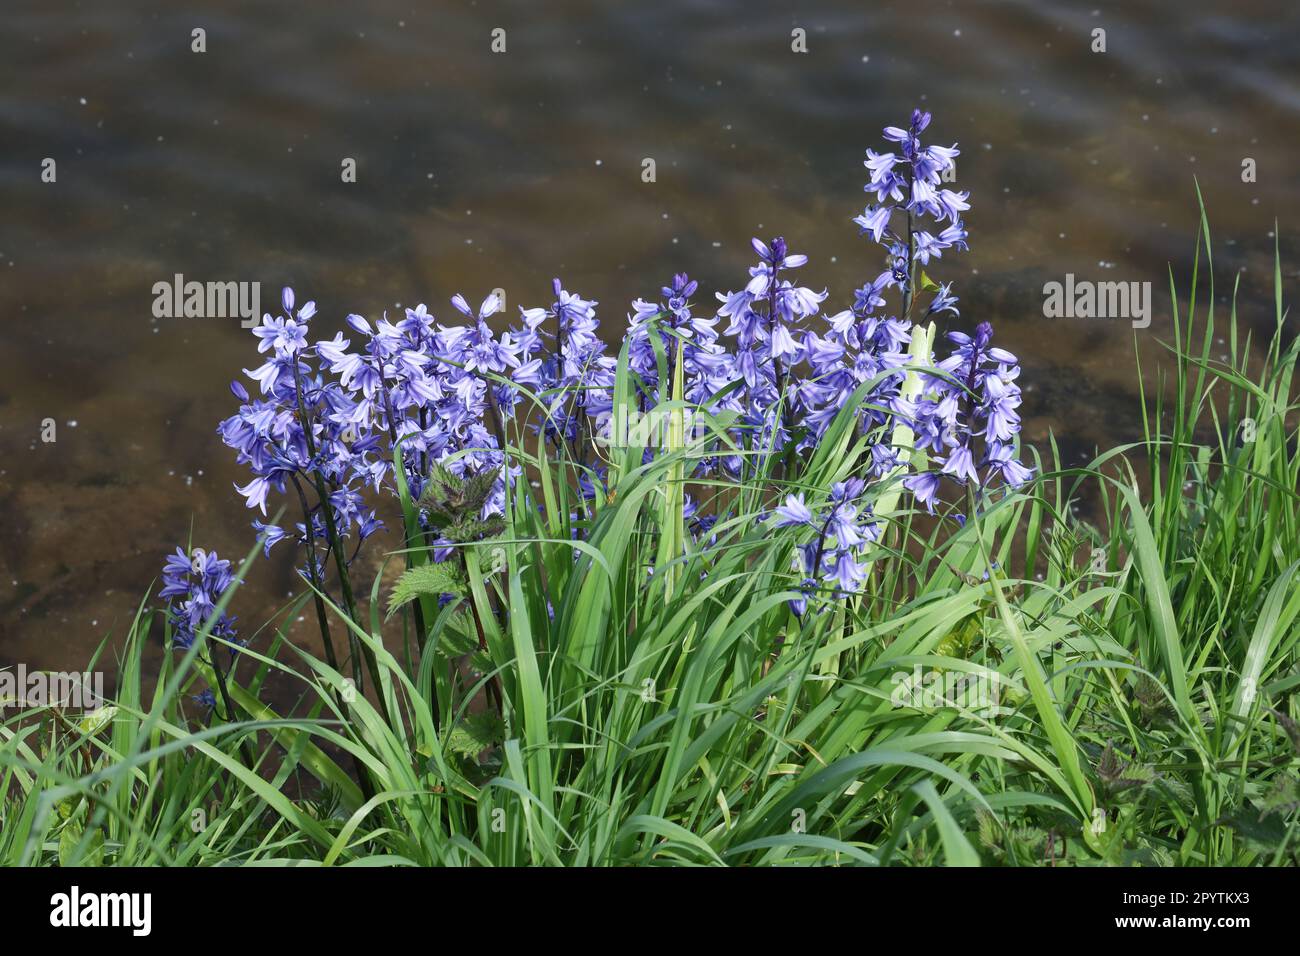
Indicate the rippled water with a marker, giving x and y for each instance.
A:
(479, 170)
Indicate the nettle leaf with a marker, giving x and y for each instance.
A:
(1109, 767)
(1118, 774)
(455, 496)
(1151, 700)
(1267, 832)
(454, 642)
(475, 734)
(428, 580)
(1282, 798)
(1028, 841)
(443, 485)
(478, 489)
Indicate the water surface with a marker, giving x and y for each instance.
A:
(479, 170)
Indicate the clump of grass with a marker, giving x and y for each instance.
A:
(593, 685)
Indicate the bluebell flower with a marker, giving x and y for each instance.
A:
(844, 527)
(910, 181)
(793, 512)
(194, 583)
(969, 418)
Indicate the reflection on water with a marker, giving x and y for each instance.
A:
(478, 170)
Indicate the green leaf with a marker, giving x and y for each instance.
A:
(1266, 832)
(427, 579)
(453, 642)
(96, 720)
(475, 734)
(1282, 798)
(72, 837)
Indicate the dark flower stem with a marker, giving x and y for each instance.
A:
(494, 682)
(244, 748)
(417, 612)
(908, 295)
(776, 362)
(313, 575)
(322, 618)
(340, 563)
(821, 544)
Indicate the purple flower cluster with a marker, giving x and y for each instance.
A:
(796, 378)
(329, 415)
(429, 387)
(193, 584)
(302, 427)
(571, 375)
(766, 322)
(844, 529)
(707, 367)
(913, 177)
(968, 418)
